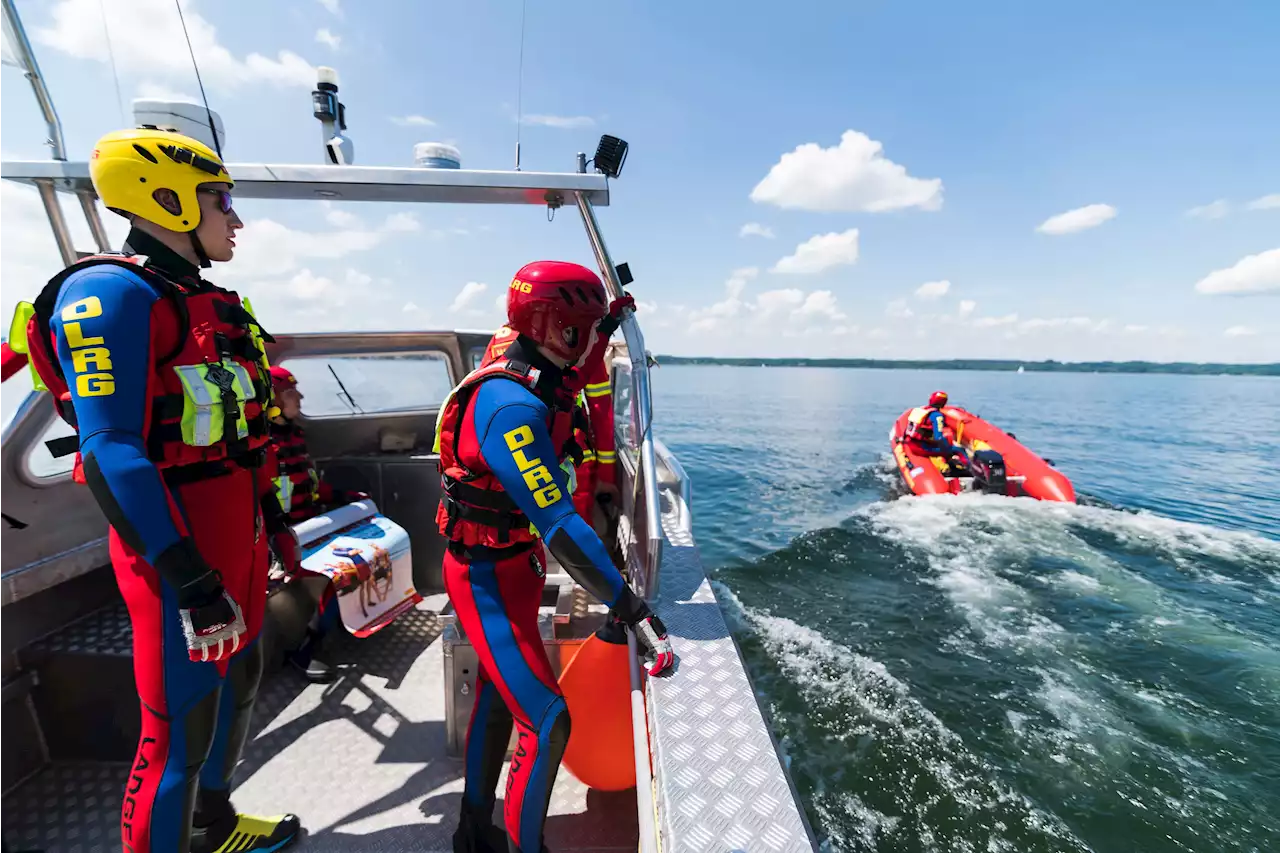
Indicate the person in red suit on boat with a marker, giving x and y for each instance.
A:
(164, 378)
(926, 431)
(501, 439)
(302, 495)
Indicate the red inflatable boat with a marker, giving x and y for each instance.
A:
(1000, 464)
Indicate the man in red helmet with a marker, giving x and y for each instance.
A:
(593, 448)
(501, 435)
(926, 430)
(302, 495)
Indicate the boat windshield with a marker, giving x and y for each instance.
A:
(370, 384)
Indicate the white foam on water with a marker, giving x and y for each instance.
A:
(1001, 562)
(832, 676)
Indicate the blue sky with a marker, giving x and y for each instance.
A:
(965, 131)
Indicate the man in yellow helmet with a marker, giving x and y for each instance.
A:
(164, 377)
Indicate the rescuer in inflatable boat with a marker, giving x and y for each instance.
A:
(302, 495)
(505, 495)
(592, 448)
(165, 379)
(926, 430)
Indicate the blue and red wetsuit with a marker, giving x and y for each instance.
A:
(939, 444)
(195, 715)
(496, 591)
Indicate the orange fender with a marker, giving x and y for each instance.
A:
(597, 690)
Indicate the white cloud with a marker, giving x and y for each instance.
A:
(151, 43)
(468, 295)
(1258, 273)
(820, 253)
(28, 254)
(788, 312)
(161, 92)
(967, 307)
(933, 289)
(308, 286)
(898, 308)
(560, 122)
(402, 223)
(1079, 323)
(1213, 210)
(853, 176)
(412, 121)
(992, 322)
(268, 249)
(820, 305)
(1135, 329)
(1079, 219)
(755, 229)
(342, 218)
(1267, 202)
(333, 6)
(738, 280)
(1240, 332)
(327, 38)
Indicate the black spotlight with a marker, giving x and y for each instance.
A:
(611, 153)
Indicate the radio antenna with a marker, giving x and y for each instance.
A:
(520, 85)
(106, 32)
(217, 146)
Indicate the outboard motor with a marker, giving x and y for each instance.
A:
(987, 467)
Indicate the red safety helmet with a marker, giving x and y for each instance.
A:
(282, 379)
(938, 399)
(557, 304)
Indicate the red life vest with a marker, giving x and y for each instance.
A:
(920, 425)
(217, 338)
(474, 509)
(295, 475)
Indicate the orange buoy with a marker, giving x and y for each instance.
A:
(597, 690)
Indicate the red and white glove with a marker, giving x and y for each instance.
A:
(653, 634)
(213, 630)
(610, 322)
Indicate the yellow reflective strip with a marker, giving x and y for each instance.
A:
(285, 492)
(435, 448)
(596, 386)
(242, 385)
(591, 395)
(607, 455)
(199, 427)
(18, 327)
(588, 456)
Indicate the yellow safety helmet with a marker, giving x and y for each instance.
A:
(128, 166)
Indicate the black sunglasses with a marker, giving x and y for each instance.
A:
(224, 198)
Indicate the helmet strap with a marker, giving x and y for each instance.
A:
(525, 349)
(199, 249)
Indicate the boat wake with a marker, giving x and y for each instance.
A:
(981, 673)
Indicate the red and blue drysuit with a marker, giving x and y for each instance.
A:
(502, 473)
(931, 439)
(118, 338)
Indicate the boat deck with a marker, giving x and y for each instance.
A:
(362, 761)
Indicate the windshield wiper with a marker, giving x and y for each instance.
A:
(351, 401)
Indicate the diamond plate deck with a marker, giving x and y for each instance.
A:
(720, 783)
(362, 760)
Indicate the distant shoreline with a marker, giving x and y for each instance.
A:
(1050, 366)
